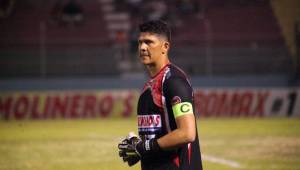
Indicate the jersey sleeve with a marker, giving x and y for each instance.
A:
(179, 96)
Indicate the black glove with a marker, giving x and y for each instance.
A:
(147, 147)
(130, 159)
(127, 149)
(132, 148)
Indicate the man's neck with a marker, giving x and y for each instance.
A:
(154, 68)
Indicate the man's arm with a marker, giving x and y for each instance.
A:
(185, 133)
(179, 95)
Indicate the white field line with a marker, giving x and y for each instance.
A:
(217, 160)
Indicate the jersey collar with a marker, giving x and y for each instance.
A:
(152, 77)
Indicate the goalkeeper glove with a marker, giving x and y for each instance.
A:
(127, 149)
(134, 146)
(147, 148)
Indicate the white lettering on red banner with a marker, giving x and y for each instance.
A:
(217, 102)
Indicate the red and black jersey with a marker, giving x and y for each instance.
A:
(156, 119)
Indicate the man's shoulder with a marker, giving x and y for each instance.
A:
(175, 72)
(175, 75)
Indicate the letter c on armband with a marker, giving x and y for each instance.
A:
(181, 109)
(184, 108)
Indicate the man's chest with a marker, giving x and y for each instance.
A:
(147, 105)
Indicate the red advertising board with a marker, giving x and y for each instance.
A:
(67, 104)
(219, 102)
(247, 102)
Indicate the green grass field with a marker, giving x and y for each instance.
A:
(250, 144)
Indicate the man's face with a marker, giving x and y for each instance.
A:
(151, 47)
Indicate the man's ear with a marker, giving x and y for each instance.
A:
(166, 46)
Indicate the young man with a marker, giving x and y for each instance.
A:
(168, 137)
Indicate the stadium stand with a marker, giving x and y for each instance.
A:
(69, 50)
(236, 38)
(227, 37)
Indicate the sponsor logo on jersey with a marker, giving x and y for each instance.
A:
(176, 100)
(149, 123)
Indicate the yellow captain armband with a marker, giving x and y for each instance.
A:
(183, 108)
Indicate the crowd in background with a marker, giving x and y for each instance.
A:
(69, 12)
(6, 8)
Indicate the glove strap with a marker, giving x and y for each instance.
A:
(148, 147)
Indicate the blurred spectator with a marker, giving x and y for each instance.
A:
(121, 40)
(56, 11)
(196, 6)
(185, 6)
(156, 10)
(120, 5)
(133, 36)
(134, 6)
(121, 50)
(72, 13)
(6, 7)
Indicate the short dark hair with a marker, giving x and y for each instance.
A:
(157, 27)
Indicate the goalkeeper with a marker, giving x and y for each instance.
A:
(167, 137)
